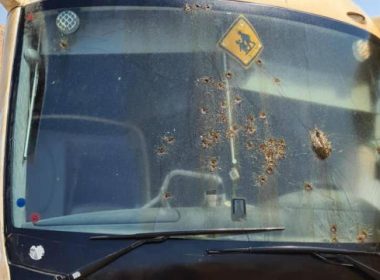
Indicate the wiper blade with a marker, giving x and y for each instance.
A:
(173, 234)
(289, 250)
(334, 256)
(147, 238)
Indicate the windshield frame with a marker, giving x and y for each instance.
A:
(220, 5)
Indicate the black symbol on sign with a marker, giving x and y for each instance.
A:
(245, 43)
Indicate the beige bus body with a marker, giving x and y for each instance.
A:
(341, 10)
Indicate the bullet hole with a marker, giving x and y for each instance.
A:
(250, 127)
(204, 110)
(233, 131)
(210, 139)
(187, 8)
(308, 187)
(276, 80)
(262, 115)
(191, 8)
(213, 161)
(262, 180)
(213, 164)
(63, 43)
(205, 80)
(333, 231)
(167, 195)
(250, 118)
(235, 127)
(320, 144)
(166, 140)
(215, 135)
(273, 151)
(161, 151)
(269, 170)
(259, 62)
(205, 142)
(210, 81)
(237, 99)
(169, 139)
(221, 118)
(249, 145)
(221, 86)
(362, 236)
(228, 75)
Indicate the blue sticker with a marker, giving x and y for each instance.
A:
(21, 202)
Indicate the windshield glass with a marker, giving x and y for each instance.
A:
(135, 119)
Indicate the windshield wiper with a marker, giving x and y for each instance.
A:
(334, 256)
(147, 238)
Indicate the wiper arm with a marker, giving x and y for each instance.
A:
(334, 256)
(344, 260)
(91, 268)
(146, 238)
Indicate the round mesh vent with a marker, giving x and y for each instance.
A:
(67, 22)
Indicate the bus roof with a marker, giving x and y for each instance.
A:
(342, 10)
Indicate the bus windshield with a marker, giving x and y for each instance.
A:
(135, 119)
